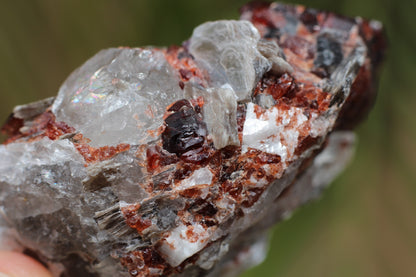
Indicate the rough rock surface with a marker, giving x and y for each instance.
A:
(175, 162)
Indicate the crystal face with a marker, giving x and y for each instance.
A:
(124, 90)
(176, 161)
(228, 50)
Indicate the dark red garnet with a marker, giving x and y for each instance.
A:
(185, 130)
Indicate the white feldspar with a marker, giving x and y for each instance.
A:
(118, 95)
(183, 242)
(274, 132)
(201, 176)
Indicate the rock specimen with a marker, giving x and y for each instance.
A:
(174, 162)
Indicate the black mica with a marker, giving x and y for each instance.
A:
(162, 210)
(328, 54)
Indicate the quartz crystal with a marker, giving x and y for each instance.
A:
(175, 161)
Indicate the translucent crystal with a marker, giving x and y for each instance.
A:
(221, 116)
(228, 50)
(117, 96)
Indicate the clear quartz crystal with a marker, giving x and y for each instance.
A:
(118, 96)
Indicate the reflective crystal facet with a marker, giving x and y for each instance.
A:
(118, 96)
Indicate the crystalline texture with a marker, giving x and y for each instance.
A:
(175, 162)
(228, 50)
(124, 90)
(235, 57)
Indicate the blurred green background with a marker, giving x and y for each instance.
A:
(365, 223)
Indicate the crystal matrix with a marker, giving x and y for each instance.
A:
(176, 161)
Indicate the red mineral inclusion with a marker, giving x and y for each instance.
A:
(183, 62)
(45, 125)
(134, 220)
(92, 155)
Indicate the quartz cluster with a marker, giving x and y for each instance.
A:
(175, 161)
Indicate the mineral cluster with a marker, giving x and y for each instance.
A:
(175, 161)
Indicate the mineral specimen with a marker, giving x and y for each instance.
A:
(175, 162)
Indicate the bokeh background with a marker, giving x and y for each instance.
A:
(365, 223)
